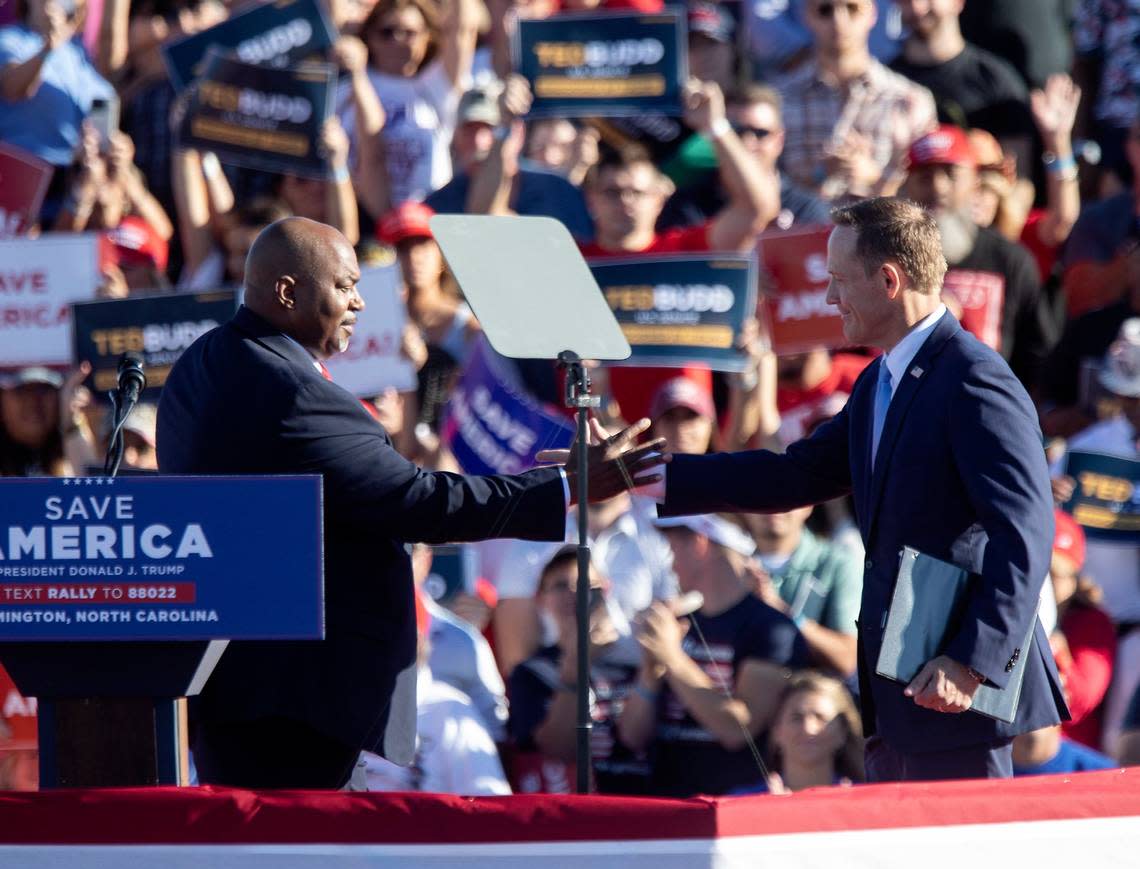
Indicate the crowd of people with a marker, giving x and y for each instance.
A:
(1016, 123)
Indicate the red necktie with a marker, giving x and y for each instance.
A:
(324, 371)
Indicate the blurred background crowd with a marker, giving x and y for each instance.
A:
(1016, 122)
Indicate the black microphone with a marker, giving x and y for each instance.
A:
(132, 381)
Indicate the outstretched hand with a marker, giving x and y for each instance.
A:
(616, 465)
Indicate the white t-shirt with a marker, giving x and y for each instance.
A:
(420, 120)
(454, 752)
(1115, 567)
(460, 657)
(631, 552)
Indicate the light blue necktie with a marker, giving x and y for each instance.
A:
(882, 403)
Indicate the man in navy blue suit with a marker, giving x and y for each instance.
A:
(941, 447)
(253, 397)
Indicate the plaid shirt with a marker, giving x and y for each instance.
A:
(889, 110)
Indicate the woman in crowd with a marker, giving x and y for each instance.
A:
(419, 65)
(43, 427)
(817, 737)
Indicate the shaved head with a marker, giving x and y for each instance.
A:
(301, 276)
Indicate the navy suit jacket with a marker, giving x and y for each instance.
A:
(960, 475)
(244, 399)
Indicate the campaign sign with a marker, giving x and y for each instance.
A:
(24, 180)
(372, 363)
(603, 64)
(259, 117)
(677, 309)
(161, 558)
(793, 269)
(492, 426)
(39, 279)
(157, 328)
(1106, 498)
(271, 34)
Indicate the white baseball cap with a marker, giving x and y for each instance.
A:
(714, 528)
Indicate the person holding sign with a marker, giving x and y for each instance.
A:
(1114, 562)
(281, 714)
(940, 446)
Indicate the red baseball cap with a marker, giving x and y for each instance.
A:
(407, 220)
(1069, 539)
(682, 392)
(947, 145)
(134, 242)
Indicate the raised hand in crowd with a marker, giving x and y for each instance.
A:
(1054, 110)
(412, 345)
(753, 192)
(850, 159)
(79, 443)
(340, 197)
(493, 183)
(753, 417)
(370, 173)
(89, 187)
(122, 172)
(59, 27)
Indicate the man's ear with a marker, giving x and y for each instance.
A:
(892, 278)
(285, 292)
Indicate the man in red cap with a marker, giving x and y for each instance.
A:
(992, 285)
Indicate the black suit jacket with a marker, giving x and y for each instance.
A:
(245, 399)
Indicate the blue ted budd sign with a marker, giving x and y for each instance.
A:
(675, 309)
(1106, 496)
(273, 34)
(603, 64)
(492, 426)
(161, 558)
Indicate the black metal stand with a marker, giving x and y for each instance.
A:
(122, 409)
(578, 396)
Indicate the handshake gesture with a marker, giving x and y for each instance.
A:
(616, 464)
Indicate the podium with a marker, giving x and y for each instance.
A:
(119, 595)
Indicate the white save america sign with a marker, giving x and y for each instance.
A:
(39, 279)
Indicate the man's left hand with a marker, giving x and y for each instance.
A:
(943, 685)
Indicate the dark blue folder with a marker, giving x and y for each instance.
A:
(926, 607)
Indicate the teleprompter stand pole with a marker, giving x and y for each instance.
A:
(578, 396)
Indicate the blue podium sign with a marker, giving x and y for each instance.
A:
(161, 558)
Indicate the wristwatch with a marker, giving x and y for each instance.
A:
(975, 675)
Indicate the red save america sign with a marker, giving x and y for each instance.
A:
(793, 298)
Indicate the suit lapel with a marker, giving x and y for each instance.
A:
(916, 374)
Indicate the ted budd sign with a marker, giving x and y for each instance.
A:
(160, 558)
